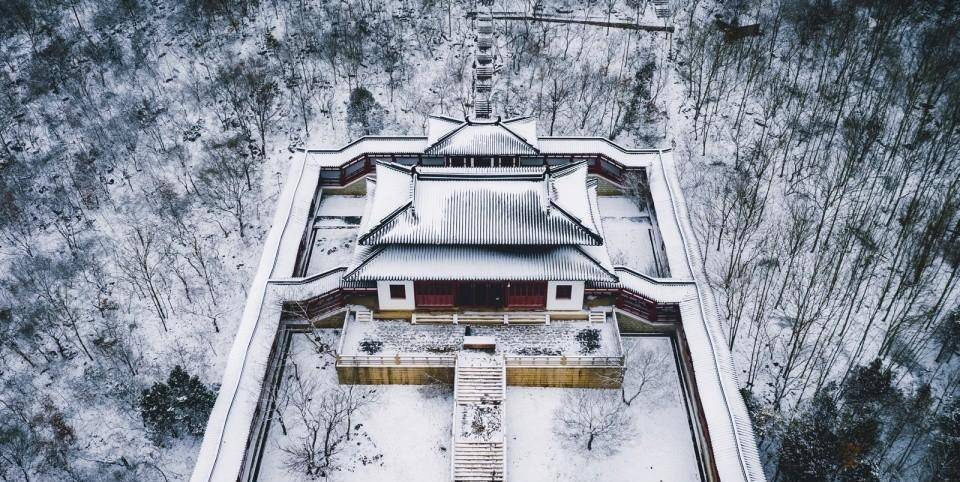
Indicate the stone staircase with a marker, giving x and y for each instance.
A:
(598, 316)
(662, 8)
(364, 315)
(479, 445)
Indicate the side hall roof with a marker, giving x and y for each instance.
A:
(537, 205)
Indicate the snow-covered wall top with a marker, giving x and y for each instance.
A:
(224, 443)
(546, 146)
(732, 439)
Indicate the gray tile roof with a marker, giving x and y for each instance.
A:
(484, 139)
(481, 206)
(426, 262)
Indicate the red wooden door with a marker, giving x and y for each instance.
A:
(433, 294)
(527, 294)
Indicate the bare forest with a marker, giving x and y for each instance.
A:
(821, 145)
(143, 144)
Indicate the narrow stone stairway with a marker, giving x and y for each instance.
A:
(479, 445)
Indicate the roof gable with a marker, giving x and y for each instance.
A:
(473, 138)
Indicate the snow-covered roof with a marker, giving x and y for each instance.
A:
(489, 263)
(537, 205)
(439, 126)
(474, 137)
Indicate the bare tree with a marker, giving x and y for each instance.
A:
(222, 184)
(324, 416)
(141, 259)
(645, 368)
(254, 94)
(593, 417)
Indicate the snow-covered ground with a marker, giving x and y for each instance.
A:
(660, 448)
(337, 220)
(388, 338)
(332, 248)
(336, 205)
(403, 435)
(406, 433)
(627, 231)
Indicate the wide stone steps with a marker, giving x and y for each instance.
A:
(478, 461)
(480, 381)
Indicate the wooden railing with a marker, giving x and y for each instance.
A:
(397, 360)
(563, 361)
(363, 164)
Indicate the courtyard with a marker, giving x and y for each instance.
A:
(404, 432)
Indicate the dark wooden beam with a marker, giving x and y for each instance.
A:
(582, 21)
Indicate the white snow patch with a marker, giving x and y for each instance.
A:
(336, 205)
(409, 426)
(627, 231)
(661, 448)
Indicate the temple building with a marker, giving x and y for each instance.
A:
(514, 238)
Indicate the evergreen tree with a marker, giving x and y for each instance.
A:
(192, 401)
(869, 398)
(809, 445)
(364, 113)
(946, 445)
(836, 438)
(179, 406)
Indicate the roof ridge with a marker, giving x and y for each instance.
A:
(446, 117)
(596, 236)
(383, 222)
(395, 166)
(567, 169)
(591, 202)
(518, 118)
(374, 253)
(497, 123)
(447, 135)
(518, 136)
(616, 279)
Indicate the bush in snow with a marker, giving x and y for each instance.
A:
(371, 347)
(36, 440)
(179, 406)
(589, 339)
